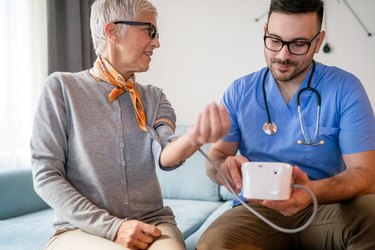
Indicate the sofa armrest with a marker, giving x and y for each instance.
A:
(17, 195)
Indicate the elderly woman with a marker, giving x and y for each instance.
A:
(98, 136)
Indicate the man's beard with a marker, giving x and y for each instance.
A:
(287, 76)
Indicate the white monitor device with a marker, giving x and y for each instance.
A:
(267, 180)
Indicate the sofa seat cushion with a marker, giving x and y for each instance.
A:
(192, 240)
(191, 214)
(225, 194)
(25, 232)
(36, 228)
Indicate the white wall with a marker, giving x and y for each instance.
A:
(206, 44)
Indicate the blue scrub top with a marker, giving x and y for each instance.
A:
(347, 123)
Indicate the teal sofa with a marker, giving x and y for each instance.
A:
(26, 221)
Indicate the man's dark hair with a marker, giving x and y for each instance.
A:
(298, 7)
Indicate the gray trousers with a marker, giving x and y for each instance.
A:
(346, 225)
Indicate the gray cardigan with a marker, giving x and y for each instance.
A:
(91, 163)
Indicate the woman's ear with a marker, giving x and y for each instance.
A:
(111, 31)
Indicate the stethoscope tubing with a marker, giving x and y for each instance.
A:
(308, 88)
(265, 96)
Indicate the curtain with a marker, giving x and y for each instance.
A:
(69, 39)
(23, 69)
(30, 49)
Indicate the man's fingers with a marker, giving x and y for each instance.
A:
(236, 177)
(232, 172)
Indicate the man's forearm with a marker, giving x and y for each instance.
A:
(347, 185)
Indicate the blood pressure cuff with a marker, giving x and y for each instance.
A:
(165, 134)
(162, 135)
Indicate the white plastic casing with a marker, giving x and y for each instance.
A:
(267, 180)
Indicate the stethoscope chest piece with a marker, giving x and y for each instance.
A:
(269, 128)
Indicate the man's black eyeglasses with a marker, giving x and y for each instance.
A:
(295, 47)
(152, 32)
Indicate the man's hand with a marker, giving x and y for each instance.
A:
(135, 234)
(299, 198)
(231, 168)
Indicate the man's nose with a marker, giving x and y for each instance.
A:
(284, 53)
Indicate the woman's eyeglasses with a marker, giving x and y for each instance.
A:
(152, 32)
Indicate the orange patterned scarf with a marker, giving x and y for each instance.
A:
(104, 71)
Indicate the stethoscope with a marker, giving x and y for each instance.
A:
(270, 128)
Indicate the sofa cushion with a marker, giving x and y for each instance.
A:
(191, 214)
(17, 193)
(30, 231)
(225, 194)
(192, 240)
(190, 180)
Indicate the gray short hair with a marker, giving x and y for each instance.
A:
(105, 11)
